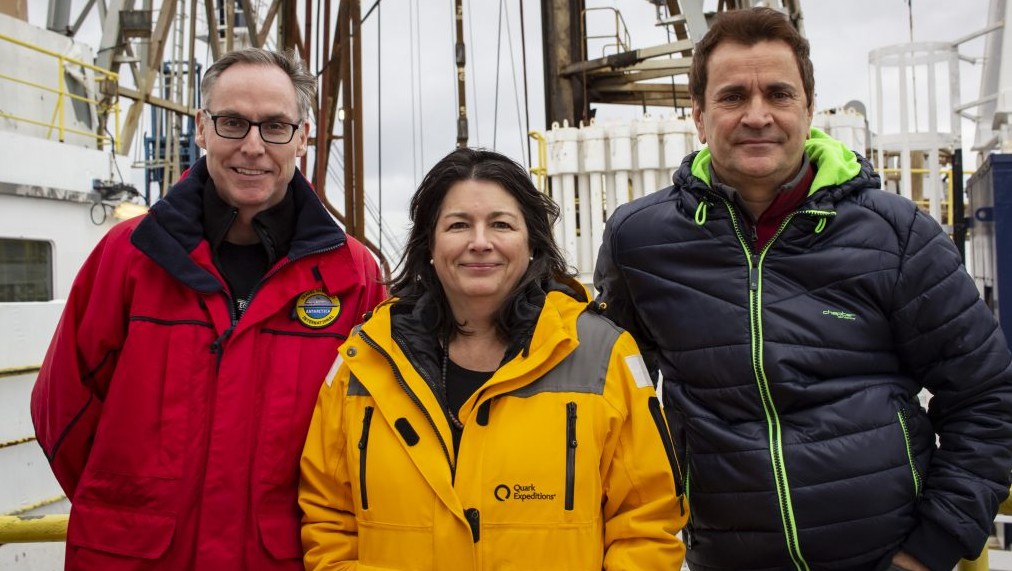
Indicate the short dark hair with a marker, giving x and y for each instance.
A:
(749, 27)
(417, 276)
(288, 61)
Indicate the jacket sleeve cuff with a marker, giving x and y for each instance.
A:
(933, 546)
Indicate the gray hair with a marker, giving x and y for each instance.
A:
(288, 61)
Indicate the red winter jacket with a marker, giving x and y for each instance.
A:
(175, 429)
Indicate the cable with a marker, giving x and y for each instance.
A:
(527, 103)
(379, 113)
(473, 74)
(421, 100)
(513, 68)
(498, 48)
(414, 118)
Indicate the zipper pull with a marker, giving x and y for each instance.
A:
(753, 278)
(216, 347)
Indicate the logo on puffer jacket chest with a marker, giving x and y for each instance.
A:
(521, 493)
(845, 315)
(316, 309)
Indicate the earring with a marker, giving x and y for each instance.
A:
(531, 258)
(432, 262)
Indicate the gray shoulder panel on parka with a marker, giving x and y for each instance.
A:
(585, 369)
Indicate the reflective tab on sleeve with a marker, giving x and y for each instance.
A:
(333, 369)
(638, 369)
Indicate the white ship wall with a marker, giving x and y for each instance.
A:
(29, 102)
(46, 194)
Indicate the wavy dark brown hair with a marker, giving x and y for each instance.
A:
(417, 276)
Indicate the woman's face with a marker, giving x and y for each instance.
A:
(480, 248)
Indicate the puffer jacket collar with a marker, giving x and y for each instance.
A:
(839, 172)
(173, 228)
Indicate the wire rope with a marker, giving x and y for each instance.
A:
(513, 69)
(498, 49)
(379, 115)
(527, 103)
(473, 74)
(414, 117)
(421, 100)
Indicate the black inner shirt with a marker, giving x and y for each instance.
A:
(461, 383)
(242, 267)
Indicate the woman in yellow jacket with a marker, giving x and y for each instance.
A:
(487, 417)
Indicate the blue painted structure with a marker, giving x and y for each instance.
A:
(990, 223)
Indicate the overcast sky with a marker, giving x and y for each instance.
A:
(420, 106)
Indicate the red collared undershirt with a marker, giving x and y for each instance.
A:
(783, 204)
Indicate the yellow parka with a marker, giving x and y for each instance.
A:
(565, 462)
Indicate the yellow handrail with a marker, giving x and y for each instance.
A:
(33, 528)
(29, 529)
(981, 563)
(926, 203)
(58, 122)
(540, 171)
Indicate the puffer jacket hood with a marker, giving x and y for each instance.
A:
(835, 163)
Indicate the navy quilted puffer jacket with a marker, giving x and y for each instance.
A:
(791, 373)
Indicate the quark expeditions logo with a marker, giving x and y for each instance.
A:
(316, 309)
(521, 493)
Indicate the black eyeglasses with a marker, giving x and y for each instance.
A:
(231, 127)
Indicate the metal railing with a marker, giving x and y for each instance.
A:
(33, 528)
(540, 171)
(57, 121)
(925, 203)
(47, 528)
(981, 563)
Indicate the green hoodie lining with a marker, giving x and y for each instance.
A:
(835, 163)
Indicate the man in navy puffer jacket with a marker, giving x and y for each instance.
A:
(795, 311)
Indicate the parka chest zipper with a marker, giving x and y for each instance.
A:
(755, 260)
(411, 394)
(571, 444)
(218, 347)
(363, 452)
(471, 515)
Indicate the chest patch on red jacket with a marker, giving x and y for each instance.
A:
(316, 309)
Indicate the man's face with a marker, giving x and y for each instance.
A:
(250, 173)
(755, 116)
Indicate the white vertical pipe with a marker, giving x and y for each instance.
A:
(648, 154)
(877, 60)
(620, 150)
(565, 158)
(675, 141)
(552, 169)
(584, 255)
(592, 226)
(905, 182)
(934, 176)
(596, 222)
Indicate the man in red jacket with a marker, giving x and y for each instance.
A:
(178, 388)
